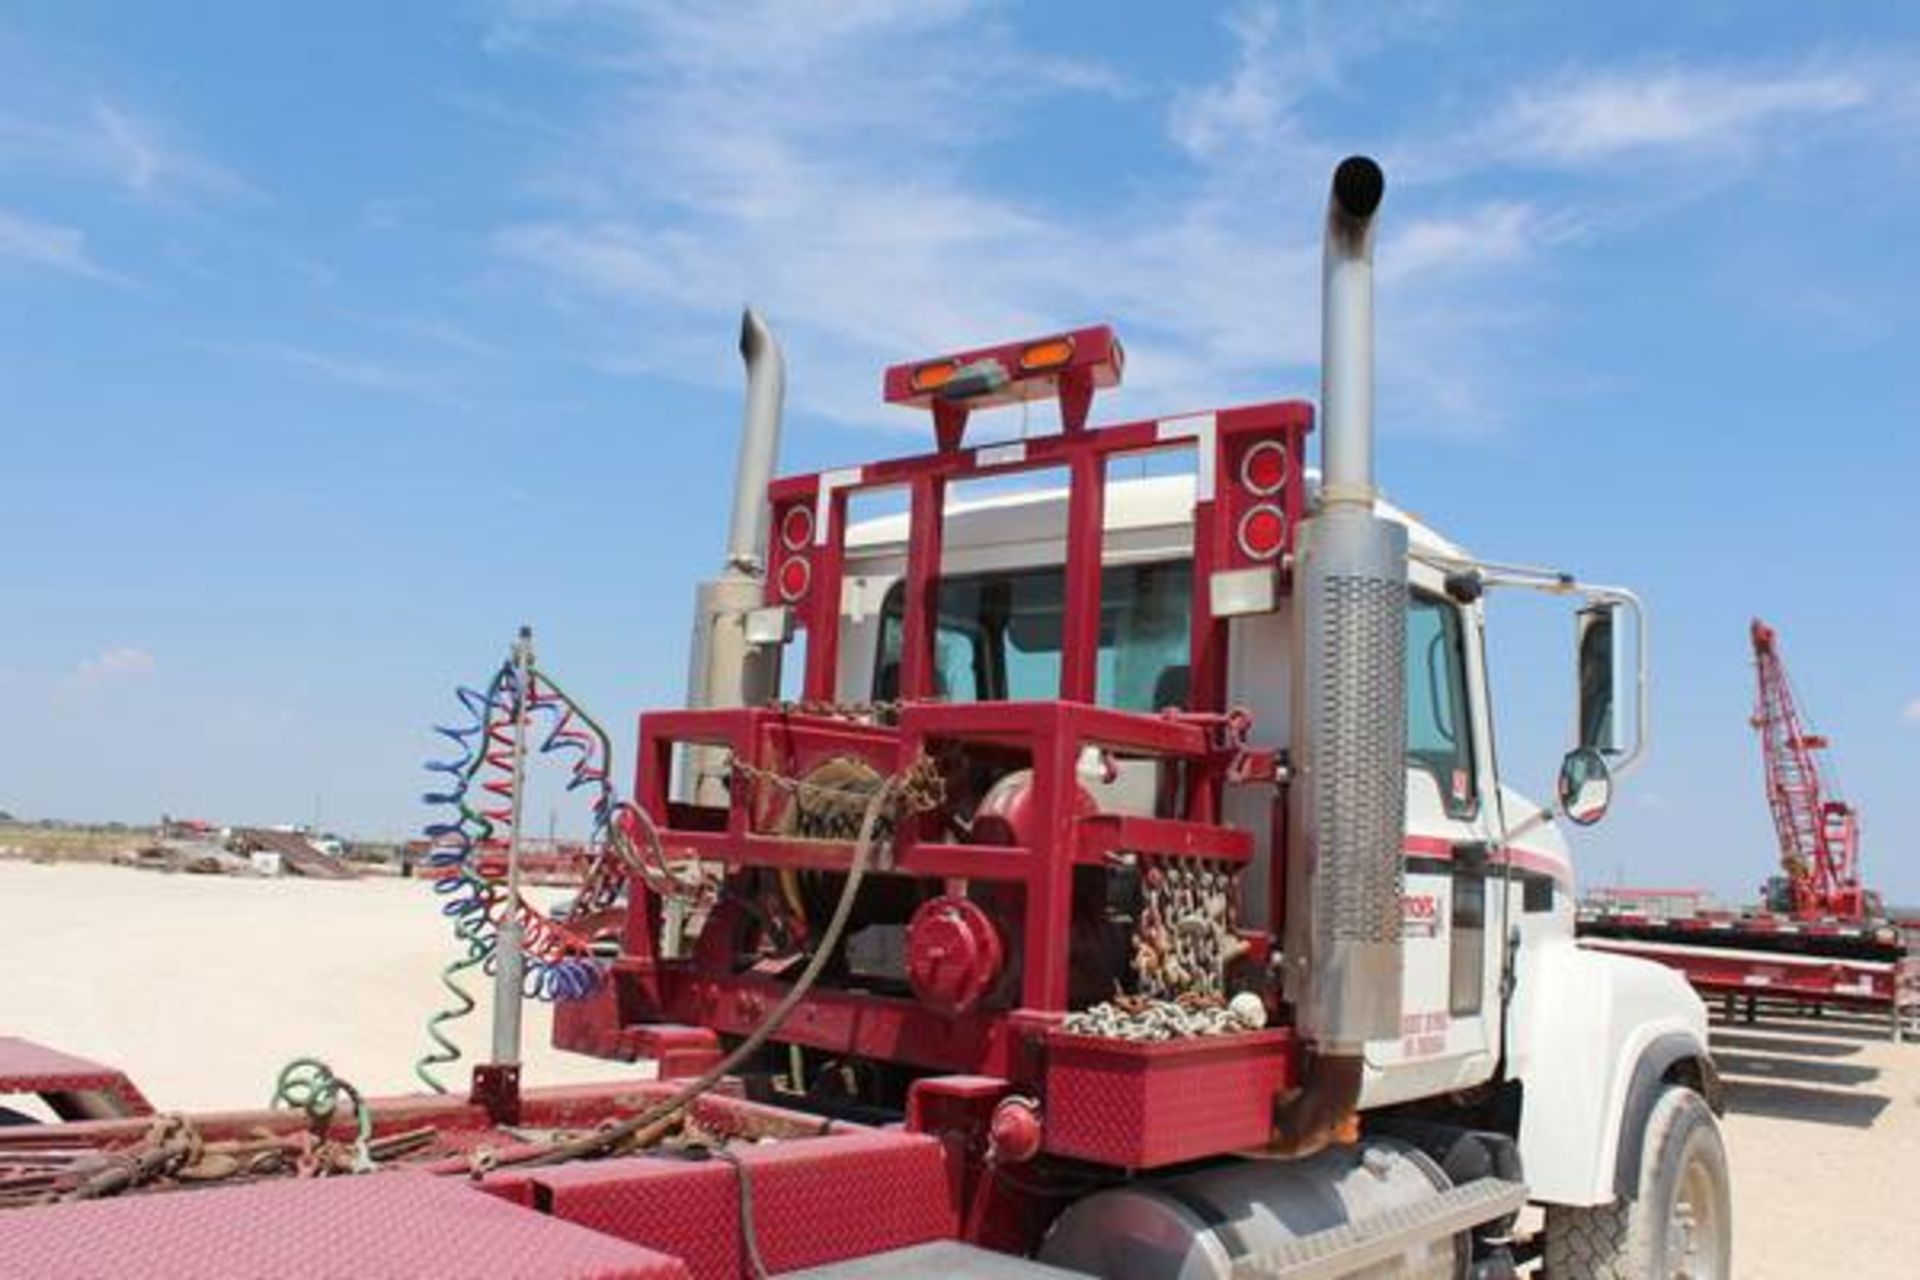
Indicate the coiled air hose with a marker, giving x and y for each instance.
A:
(560, 965)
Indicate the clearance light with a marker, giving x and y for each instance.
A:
(1262, 532)
(1263, 469)
(932, 377)
(795, 576)
(796, 528)
(1050, 354)
(1067, 368)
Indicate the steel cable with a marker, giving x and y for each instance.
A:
(648, 1124)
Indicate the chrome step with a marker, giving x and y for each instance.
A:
(1343, 1250)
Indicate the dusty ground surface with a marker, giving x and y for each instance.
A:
(1823, 1129)
(203, 987)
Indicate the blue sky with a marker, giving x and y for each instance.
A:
(338, 340)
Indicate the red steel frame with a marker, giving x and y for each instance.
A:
(1051, 734)
(1221, 439)
(653, 996)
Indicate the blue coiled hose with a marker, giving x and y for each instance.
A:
(476, 903)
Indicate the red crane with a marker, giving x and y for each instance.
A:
(1819, 832)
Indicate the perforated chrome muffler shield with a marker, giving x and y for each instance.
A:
(1350, 597)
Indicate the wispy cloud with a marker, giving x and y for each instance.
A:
(858, 207)
(45, 244)
(385, 213)
(1589, 117)
(121, 663)
(351, 371)
(1911, 712)
(871, 216)
(432, 331)
(1271, 72)
(112, 142)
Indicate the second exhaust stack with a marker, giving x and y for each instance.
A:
(1350, 614)
(724, 670)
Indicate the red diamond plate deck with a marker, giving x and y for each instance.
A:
(26, 1067)
(385, 1226)
(815, 1200)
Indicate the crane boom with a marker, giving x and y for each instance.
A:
(1819, 832)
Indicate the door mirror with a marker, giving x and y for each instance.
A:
(1598, 655)
(1586, 786)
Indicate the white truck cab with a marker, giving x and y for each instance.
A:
(1418, 914)
(1494, 988)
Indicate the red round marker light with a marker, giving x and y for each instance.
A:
(796, 528)
(1263, 468)
(795, 575)
(1262, 532)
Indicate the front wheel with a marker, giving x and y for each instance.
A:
(1679, 1227)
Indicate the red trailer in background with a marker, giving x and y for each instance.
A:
(1820, 937)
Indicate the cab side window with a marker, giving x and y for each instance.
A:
(1439, 725)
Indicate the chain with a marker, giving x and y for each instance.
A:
(1186, 933)
(877, 712)
(1146, 1018)
(1183, 941)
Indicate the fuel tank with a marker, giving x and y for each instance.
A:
(1197, 1226)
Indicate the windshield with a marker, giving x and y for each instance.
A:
(998, 636)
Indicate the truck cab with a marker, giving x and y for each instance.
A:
(1198, 745)
(1482, 911)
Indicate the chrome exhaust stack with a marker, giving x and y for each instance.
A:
(1350, 603)
(726, 669)
(759, 444)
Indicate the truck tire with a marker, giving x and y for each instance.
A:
(1681, 1223)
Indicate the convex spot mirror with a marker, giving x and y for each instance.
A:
(1586, 786)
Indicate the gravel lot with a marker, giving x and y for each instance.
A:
(203, 987)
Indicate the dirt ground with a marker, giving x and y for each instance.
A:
(1823, 1130)
(203, 987)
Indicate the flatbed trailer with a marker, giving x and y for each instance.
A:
(1747, 959)
(738, 1180)
(742, 1188)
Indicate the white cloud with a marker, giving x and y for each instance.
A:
(96, 140)
(1492, 234)
(801, 171)
(349, 371)
(122, 663)
(1586, 118)
(1911, 712)
(1255, 101)
(1284, 55)
(46, 245)
(385, 213)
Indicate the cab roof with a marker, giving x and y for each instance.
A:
(1140, 504)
